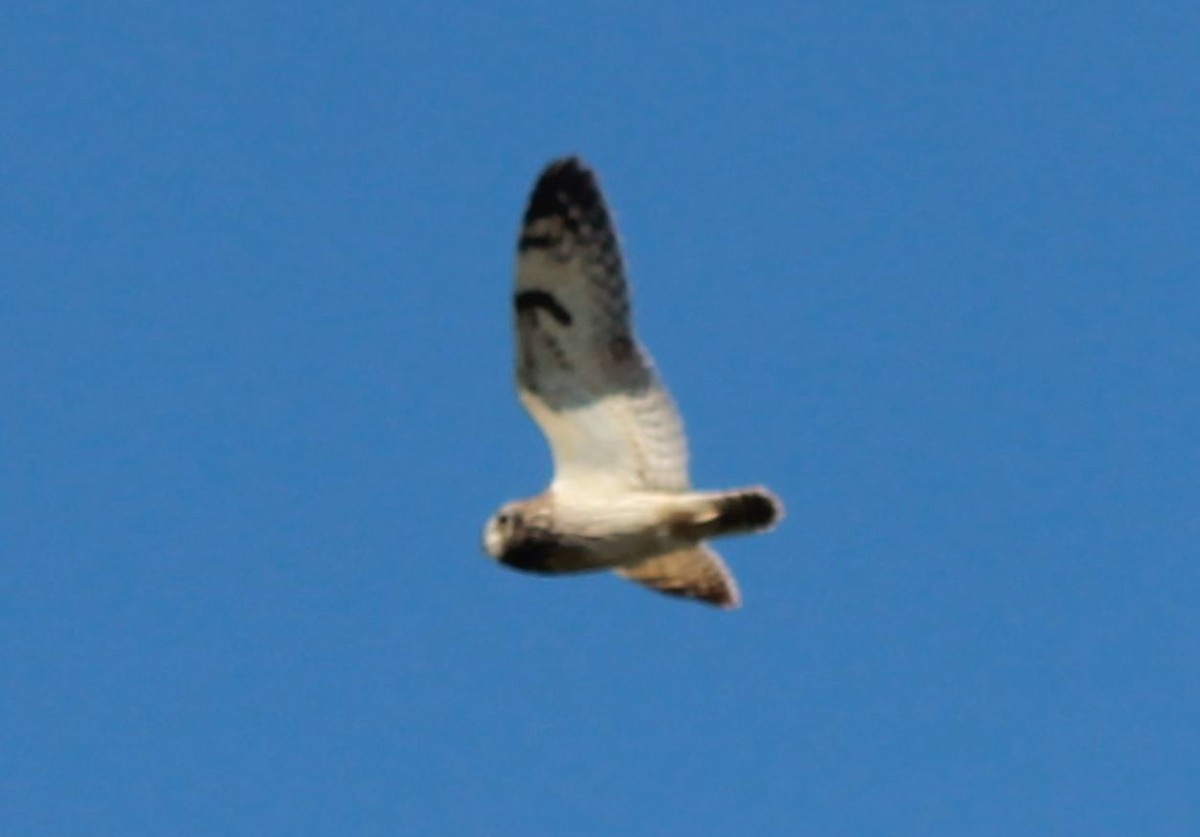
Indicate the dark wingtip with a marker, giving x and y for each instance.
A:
(760, 510)
(565, 183)
(754, 509)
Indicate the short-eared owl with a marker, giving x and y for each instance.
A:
(621, 498)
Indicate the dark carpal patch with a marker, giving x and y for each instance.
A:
(533, 300)
(528, 241)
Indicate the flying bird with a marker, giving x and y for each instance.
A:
(621, 498)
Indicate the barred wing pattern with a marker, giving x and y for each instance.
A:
(581, 373)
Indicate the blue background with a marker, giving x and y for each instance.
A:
(929, 270)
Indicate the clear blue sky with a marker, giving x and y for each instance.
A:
(929, 270)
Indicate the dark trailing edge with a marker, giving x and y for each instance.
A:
(533, 300)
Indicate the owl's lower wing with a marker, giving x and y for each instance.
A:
(694, 573)
(580, 371)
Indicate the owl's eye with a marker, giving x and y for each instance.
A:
(502, 519)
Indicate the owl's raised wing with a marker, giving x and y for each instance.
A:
(610, 422)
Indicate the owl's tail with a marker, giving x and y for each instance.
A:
(736, 512)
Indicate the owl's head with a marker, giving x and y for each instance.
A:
(503, 530)
(521, 535)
